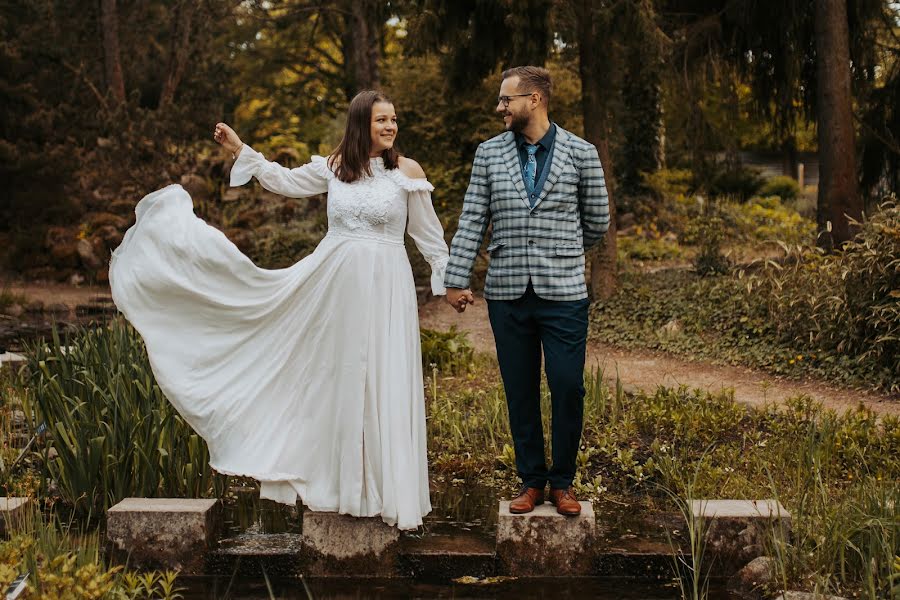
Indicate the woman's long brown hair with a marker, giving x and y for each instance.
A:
(350, 160)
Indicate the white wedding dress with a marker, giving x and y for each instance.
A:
(308, 378)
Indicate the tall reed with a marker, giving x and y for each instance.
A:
(114, 434)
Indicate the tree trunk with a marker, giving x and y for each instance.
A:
(178, 55)
(604, 277)
(789, 156)
(839, 195)
(109, 23)
(362, 49)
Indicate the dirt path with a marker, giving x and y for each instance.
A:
(56, 293)
(637, 369)
(647, 370)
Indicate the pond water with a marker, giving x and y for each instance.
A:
(456, 509)
(383, 589)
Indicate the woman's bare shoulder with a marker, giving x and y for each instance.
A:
(411, 168)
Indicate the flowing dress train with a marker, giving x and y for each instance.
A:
(307, 378)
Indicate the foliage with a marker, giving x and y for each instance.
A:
(767, 219)
(764, 322)
(786, 188)
(114, 433)
(835, 473)
(66, 564)
(654, 248)
(709, 235)
(844, 307)
(448, 351)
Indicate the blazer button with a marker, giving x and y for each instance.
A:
(531, 242)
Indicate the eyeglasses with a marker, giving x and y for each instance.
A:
(507, 99)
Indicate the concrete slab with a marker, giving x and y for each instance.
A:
(13, 511)
(737, 531)
(11, 358)
(448, 556)
(545, 543)
(346, 544)
(172, 533)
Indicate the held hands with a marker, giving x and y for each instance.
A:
(226, 136)
(459, 299)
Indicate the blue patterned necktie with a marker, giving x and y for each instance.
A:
(528, 172)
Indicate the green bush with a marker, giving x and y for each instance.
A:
(786, 188)
(843, 307)
(114, 433)
(766, 219)
(738, 183)
(449, 351)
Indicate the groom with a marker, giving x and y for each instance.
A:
(543, 190)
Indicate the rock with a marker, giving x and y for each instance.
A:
(168, 533)
(545, 543)
(12, 509)
(88, 256)
(13, 310)
(753, 581)
(358, 545)
(737, 530)
(196, 186)
(58, 308)
(34, 306)
(670, 330)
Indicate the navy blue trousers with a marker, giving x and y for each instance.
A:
(522, 328)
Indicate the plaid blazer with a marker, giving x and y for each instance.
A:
(544, 243)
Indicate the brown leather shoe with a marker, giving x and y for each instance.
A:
(527, 499)
(565, 501)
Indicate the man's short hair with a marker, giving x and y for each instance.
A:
(533, 79)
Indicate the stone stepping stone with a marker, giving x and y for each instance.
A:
(737, 531)
(169, 533)
(11, 359)
(13, 511)
(545, 543)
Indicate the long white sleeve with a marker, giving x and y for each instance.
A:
(308, 180)
(425, 229)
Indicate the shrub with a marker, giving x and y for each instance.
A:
(738, 183)
(843, 306)
(450, 351)
(786, 188)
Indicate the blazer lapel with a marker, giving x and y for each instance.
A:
(511, 156)
(561, 153)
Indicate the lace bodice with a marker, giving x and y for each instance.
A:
(372, 206)
(381, 206)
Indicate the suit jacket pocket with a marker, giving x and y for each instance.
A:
(569, 250)
(494, 246)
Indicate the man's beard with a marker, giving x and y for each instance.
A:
(518, 122)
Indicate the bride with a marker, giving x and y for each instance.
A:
(308, 378)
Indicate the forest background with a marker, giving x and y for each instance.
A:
(104, 102)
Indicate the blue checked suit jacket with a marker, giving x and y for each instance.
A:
(544, 243)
